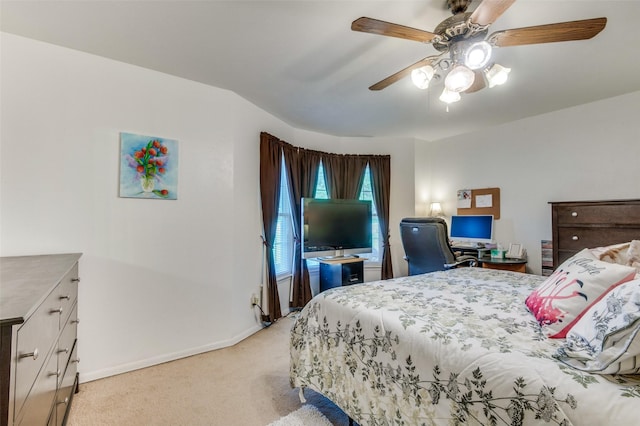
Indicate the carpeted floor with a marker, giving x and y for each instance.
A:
(240, 385)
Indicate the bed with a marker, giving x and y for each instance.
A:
(450, 347)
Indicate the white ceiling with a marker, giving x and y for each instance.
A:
(300, 61)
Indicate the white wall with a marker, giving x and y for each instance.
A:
(160, 279)
(588, 152)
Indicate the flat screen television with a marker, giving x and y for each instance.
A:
(471, 229)
(335, 228)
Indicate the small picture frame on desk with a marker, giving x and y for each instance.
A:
(516, 251)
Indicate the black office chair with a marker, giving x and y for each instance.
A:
(426, 246)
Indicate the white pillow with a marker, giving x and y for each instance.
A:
(606, 340)
(600, 251)
(559, 302)
(623, 254)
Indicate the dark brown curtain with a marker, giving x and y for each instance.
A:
(270, 169)
(302, 171)
(380, 169)
(344, 174)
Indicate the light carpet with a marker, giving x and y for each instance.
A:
(244, 384)
(307, 415)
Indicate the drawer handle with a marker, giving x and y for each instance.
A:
(54, 373)
(65, 402)
(574, 214)
(75, 321)
(65, 350)
(75, 280)
(575, 238)
(67, 297)
(33, 354)
(77, 360)
(56, 311)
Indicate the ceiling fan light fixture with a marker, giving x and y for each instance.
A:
(496, 74)
(477, 55)
(422, 76)
(459, 79)
(449, 96)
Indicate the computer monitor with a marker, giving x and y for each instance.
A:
(471, 229)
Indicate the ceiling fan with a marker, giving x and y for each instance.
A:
(463, 36)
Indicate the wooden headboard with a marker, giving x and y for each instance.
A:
(588, 224)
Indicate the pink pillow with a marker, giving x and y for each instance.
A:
(561, 300)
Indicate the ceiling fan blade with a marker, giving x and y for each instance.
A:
(403, 73)
(550, 33)
(489, 10)
(375, 26)
(478, 82)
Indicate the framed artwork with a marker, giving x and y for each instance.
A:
(516, 251)
(148, 167)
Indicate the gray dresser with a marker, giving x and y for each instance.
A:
(38, 344)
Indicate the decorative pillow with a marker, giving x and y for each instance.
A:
(606, 340)
(622, 254)
(599, 251)
(616, 254)
(560, 301)
(633, 255)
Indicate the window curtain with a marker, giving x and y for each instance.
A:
(270, 163)
(302, 171)
(344, 174)
(380, 170)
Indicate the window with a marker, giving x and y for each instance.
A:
(321, 185)
(283, 243)
(366, 193)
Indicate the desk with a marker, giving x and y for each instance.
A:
(470, 250)
(516, 265)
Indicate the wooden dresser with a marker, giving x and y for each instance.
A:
(38, 340)
(588, 224)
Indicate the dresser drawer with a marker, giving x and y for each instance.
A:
(39, 404)
(34, 341)
(67, 293)
(66, 388)
(577, 238)
(599, 214)
(67, 340)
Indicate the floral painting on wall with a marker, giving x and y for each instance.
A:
(148, 167)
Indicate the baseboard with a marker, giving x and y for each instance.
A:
(125, 368)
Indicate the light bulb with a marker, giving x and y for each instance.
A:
(497, 74)
(478, 55)
(459, 79)
(422, 76)
(449, 96)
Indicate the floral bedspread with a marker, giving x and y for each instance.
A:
(452, 347)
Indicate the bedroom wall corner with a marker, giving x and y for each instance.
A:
(160, 279)
(586, 152)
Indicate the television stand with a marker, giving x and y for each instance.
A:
(341, 271)
(338, 257)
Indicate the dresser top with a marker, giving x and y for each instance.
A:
(596, 202)
(25, 281)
